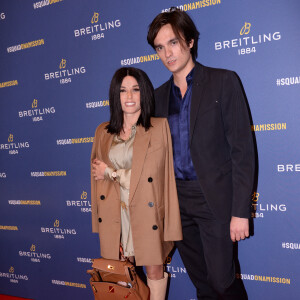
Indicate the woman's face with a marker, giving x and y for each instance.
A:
(130, 96)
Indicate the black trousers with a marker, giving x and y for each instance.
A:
(206, 249)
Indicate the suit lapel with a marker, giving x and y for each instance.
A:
(197, 96)
(140, 147)
(162, 106)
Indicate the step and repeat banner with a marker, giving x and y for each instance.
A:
(57, 58)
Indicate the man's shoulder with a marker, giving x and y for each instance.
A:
(165, 86)
(200, 71)
(211, 71)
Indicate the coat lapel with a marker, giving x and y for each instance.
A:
(140, 147)
(105, 148)
(197, 96)
(106, 145)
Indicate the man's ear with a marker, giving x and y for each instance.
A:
(191, 43)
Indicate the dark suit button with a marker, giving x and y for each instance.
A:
(100, 220)
(150, 179)
(154, 227)
(150, 204)
(102, 197)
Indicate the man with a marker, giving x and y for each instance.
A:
(213, 155)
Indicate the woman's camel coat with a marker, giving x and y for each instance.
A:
(153, 203)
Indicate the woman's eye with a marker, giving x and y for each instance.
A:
(122, 91)
(136, 89)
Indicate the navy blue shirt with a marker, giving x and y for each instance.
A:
(179, 121)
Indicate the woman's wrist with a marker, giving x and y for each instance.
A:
(107, 172)
(111, 174)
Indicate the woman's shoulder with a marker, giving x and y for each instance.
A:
(102, 127)
(158, 121)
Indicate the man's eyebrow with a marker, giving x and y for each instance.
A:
(169, 41)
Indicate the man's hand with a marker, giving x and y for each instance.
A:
(239, 228)
(98, 168)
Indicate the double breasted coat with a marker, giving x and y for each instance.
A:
(153, 204)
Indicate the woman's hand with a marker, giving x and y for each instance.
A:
(98, 168)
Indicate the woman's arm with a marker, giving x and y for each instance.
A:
(100, 171)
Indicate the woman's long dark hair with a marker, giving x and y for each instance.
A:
(146, 95)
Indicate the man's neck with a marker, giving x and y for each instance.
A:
(180, 77)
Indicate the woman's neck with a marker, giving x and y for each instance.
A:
(129, 120)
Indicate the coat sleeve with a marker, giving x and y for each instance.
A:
(239, 136)
(172, 221)
(94, 207)
(123, 176)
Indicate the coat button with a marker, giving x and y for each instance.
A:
(154, 227)
(100, 220)
(150, 179)
(150, 204)
(102, 197)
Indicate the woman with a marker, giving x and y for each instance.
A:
(134, 198)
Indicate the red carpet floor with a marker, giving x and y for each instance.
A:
(5, 297)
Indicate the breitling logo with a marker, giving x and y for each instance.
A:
(288, 168)
(33, 255)
(95, 18)
(64, 74)
(12, 276)
(96, 29)
(245, 29)
(62, 64)
(37, 114)
(59, 233)
(260, 209)
(246, 43)
(255, 197)
(12, 146)
(84, 204)
(84, 195)
(34, 103)
(56, 223)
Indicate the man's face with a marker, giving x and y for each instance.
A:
(175, 56)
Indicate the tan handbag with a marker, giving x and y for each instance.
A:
(114, 280)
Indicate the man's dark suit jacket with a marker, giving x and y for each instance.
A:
(221, 141)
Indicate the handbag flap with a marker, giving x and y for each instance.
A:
(111, 266)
